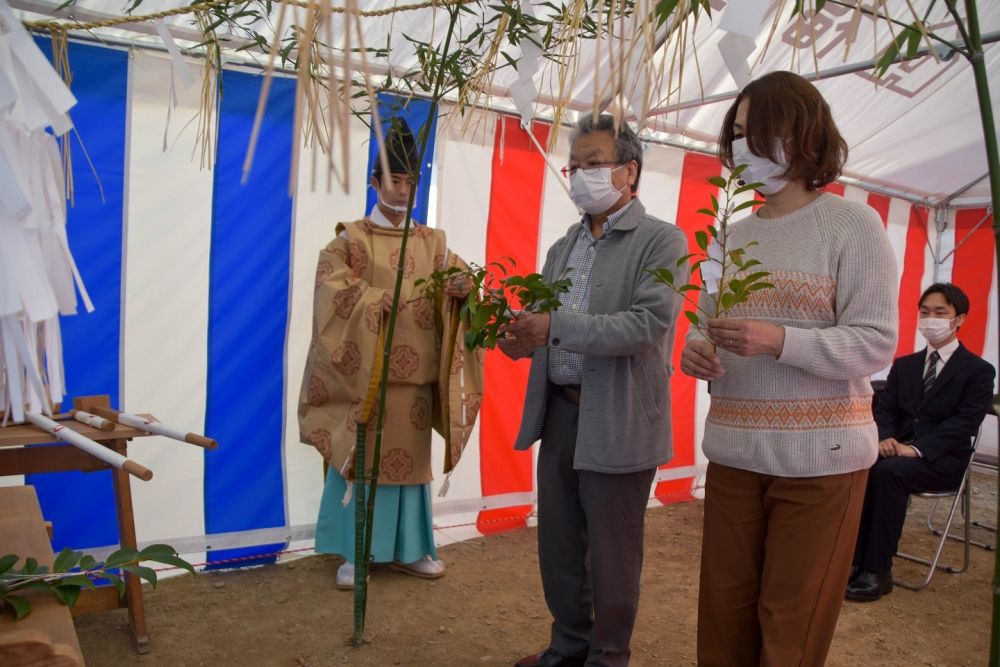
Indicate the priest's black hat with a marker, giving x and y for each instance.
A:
(400, 148)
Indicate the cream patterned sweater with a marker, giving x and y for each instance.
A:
(808, 413)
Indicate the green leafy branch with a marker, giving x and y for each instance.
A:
(738, 279)
(72, 571)
(490, 304)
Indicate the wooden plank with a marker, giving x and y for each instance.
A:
(57, 458)
(25, 434)
(104, 598)
(46, 636)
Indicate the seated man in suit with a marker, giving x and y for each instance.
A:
(932, 406)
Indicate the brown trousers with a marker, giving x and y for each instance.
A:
(775, 559)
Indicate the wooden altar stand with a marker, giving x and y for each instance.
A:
(45, 637)
(16, 458)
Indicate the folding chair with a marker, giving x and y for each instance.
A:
(961, 496)
(988, 546)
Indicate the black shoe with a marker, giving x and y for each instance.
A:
(869, 586)
(549, 658)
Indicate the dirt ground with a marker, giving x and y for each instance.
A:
(488, 609)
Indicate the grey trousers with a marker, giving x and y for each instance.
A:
(590, 539)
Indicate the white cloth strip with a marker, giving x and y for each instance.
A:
(92, 420)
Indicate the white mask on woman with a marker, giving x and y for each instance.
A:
(760, 169)
(935, 329)
(594, 193)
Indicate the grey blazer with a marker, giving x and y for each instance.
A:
(626, 338)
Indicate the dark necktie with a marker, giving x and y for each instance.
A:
(931, 373)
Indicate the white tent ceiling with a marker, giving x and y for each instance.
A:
(917, 131)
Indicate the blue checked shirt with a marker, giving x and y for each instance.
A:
(567, 367)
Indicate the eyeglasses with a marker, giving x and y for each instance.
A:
(589, 170)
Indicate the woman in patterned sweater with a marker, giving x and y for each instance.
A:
(789, 434)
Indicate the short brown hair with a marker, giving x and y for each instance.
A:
(787, 106)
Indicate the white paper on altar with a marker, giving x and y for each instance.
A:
(38, 277)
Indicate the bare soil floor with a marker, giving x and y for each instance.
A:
(488, 609)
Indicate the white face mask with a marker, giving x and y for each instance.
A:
(392, 207)
(935, 329)
(594, 193)
(760, 169)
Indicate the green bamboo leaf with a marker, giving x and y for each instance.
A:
(705, 211)
(20, 605)
(663, 10)
(713, 231)
(688, 288)
(754, 277)
(701, 238)
(692, 317)
(913, 40)
(684, 258)
(751, 262)
(890, 53)
(717, 181)
(715, 203)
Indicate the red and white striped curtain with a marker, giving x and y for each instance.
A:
(496, 197)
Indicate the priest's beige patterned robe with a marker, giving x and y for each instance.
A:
(433, 380)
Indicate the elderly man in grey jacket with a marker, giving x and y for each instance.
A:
(599, 399)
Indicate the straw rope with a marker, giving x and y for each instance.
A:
(212, 4)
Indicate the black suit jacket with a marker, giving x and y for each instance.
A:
(944, 421)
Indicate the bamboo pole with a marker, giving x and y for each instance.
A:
(974, 45)
(361, 592)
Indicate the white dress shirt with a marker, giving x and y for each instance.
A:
(944, 352)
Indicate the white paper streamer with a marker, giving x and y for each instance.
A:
(741, 23)
(711, 269)
(37, 273)
(180, 67)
